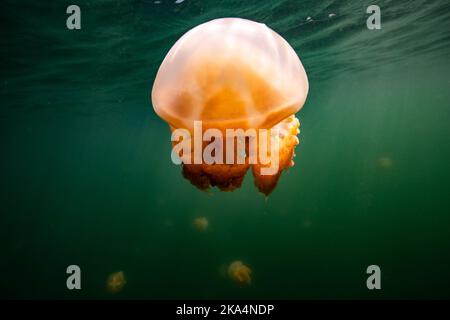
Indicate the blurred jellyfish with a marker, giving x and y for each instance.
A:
(240, 273)
(201, 223)
(116, 281)
(309, 19)
(384, 162)
(331, 15)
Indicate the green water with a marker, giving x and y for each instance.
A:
(86, 175)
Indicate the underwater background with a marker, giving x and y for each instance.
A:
(86, 175)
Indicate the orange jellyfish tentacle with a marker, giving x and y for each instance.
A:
(288, 140)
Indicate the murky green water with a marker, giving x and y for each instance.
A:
(86, 176)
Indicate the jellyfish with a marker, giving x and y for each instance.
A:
(240, 273)
(201, 223)
(384, 162)
(116, 281)
(232, 74)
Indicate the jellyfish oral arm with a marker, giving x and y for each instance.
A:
(262, 147)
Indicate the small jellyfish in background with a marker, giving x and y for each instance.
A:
(384, 162)
(235, 74)
(201, 223)
(115, 282)
(331, 15)
(240, 273)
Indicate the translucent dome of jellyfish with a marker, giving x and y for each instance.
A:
(201, 223)
(384, 162)
(232, 73)
(240, 273)
(116, 281)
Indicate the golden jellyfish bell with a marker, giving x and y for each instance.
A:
(240, 273)
(115, 282)
(229, 73)
(384, 162)
(201, 223)
(232, 73)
